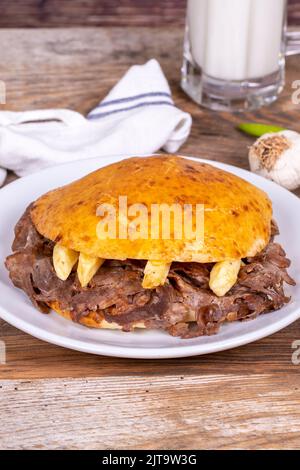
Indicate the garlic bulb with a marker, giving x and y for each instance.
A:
(276, 156)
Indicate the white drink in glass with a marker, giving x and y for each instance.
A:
(234, 52)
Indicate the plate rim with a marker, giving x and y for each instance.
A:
(168, 352)
(131, 352)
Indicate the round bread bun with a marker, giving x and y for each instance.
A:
(237, 215)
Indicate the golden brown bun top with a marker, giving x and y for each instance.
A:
(237, 218)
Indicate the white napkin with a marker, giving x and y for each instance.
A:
(138, 116)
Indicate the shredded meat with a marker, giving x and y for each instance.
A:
(116, 290)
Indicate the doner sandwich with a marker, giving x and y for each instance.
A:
(160, 242)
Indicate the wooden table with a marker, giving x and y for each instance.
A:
(55, 398)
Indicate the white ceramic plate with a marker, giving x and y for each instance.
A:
(16, 309)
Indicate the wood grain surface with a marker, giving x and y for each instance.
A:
(55, 398)
(66, 13)
(294, 11)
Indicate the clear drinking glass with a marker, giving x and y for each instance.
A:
(234, 52)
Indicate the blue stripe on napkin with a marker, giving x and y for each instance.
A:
(97, 113)
(129, 108)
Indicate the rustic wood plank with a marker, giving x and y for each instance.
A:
(294, 12)
(63, 13)
(58, 13)
(168, 412)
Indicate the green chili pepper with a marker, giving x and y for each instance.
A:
(257, 130)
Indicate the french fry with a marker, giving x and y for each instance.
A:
(155, 274)
(63, 261)
(223, 276)
(87, 268)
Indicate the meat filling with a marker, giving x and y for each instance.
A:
(117, 295)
